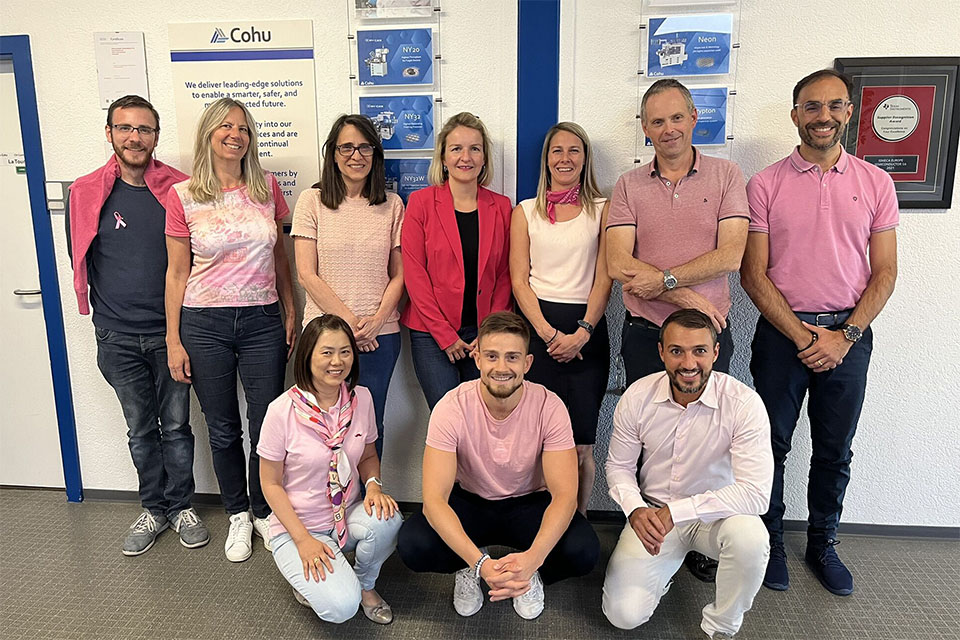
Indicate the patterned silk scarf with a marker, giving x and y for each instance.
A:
(332, 433)
(570, 196)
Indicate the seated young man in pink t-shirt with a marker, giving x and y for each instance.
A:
(500, 468)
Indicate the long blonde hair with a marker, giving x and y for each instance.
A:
(437, 175)
(204, 185)
(589, 192)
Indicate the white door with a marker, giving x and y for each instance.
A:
(29, 439)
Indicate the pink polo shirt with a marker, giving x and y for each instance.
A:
(676, 223)
(499, 459)
(819, 226)
(306, 459)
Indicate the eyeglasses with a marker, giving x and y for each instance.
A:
(126, 130)
(346, 150)
(813, 108)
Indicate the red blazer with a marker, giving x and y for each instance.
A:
(433, 261)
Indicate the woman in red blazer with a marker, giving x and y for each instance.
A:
(455, 247)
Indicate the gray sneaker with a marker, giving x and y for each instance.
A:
(193, 533)
(143, 533)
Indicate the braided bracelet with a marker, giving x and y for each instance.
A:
(479, 563)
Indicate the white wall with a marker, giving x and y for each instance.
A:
(478, 75)
(906, 449)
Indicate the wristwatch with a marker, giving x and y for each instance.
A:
(669, 280)
(373, 479)
(851, 332)
(586, 325)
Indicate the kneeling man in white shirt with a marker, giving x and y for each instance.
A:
(702, 441)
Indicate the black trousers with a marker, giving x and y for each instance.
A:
(511, 522)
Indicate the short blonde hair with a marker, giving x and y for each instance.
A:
(437, 175)
(589, 191)
(204, 185)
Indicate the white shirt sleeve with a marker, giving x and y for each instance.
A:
(752, 462)
(624, 452)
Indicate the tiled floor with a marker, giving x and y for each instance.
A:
(62, 576)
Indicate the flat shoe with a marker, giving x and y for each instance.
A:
(381, 613)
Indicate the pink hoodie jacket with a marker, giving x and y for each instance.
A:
(87, 195)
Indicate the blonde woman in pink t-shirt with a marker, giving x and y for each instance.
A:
(317, 457)
(227, 273)
(347, 244)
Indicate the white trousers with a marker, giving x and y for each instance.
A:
(636, 581)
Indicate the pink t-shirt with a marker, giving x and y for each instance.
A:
(354, 242)
(819, 226)
(306, 459)
(232, 242)
(677, 222)
(499, 459)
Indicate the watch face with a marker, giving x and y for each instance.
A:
(852, 332)
(670, 281)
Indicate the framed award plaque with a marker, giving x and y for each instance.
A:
(906, 120)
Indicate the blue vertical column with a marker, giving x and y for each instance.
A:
(538, 82)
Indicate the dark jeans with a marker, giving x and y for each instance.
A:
(641, 357)
(376, 369)
(511, 522)
(836, 397)
(157, 412)
(436, 373)
(222, 341)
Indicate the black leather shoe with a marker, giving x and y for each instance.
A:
(702, 567)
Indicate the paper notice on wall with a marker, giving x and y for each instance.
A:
(268, 65)
(121, 65)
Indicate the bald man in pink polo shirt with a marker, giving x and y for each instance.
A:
(677, 226)
(820, 264)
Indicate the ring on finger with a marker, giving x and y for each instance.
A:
(819, 363)
(317, 560)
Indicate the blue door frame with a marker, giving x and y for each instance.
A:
(17, 48)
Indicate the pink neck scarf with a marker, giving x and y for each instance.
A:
(332, 433)
(570, 196)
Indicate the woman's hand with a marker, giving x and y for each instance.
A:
(366, 331)
(385, 505)
(290, 327)
(459, 350)
(315, 556)
(565, 347)
(178, 362)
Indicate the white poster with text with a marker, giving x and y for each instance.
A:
(268, 65)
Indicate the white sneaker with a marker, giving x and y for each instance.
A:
(238, 546)
(530, 605)
(467, 597)
(261, 527)
(301, 599)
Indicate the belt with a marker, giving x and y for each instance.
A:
(640, 322)
(824, 318)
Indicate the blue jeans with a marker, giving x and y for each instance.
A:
(436, 373)
(157, 412)
(337, 598)
(222, 341)
(836, 397)
(376, 369)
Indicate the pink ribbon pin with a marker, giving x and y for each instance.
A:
(119, 218)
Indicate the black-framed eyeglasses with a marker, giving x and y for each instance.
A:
(813, 108)
(346, 150)
(127, 129)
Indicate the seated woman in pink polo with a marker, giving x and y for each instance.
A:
(317, 456)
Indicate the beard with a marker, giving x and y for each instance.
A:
(823, 145)
(502, 390)
(124, 159)
(684, 388)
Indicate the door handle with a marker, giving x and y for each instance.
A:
(26, 292)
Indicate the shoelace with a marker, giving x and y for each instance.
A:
(235, 526)
(465, 585)
(778, 552)
(188, 518)
(144, 523)
(536, 590)
(828, 556)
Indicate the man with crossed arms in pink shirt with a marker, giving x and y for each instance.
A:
(500, 468)
(702, 442)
